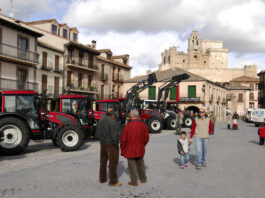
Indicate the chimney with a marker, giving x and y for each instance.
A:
(94, 43)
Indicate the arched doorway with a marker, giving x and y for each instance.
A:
(193, 109)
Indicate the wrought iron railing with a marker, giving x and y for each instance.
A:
(8, 84)
(15, 52)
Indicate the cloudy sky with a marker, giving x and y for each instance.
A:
(145, 28)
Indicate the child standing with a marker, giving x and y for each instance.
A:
(183, 149)
(261, 134)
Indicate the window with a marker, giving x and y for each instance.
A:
(240, 97)
(54, 29)
(80, 58)
(152, 93)
(251, 96)
(173, 93)
(183, 61)
(22, 77)
(164, 60)
(102, 71)
(70, 53)
(192, 91)
(102, 92)
(252, 86)
(195, 56)
(57, 58)
(23, 47)
(80, 80)
(197, 42)
(75, 36)
(65, 32)
(204, 62)
(193, 42)
(168, 59)
(44, 59)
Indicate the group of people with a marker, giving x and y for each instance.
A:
(232, 121)
(132, 141)
(202, 127)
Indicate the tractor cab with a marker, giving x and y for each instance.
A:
(76, 105)
(22, 103)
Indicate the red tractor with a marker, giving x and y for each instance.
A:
(21, 120)
(79, 106)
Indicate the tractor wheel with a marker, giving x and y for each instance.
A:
(187, 120)
(155, 125)
(16, 136)
(69, 138)
(171, 123)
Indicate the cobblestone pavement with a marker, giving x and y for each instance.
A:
(236, 168)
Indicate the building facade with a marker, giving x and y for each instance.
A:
(113, 71)
(251, 83)
(18, 55)
(50, 70)
(261, 87)
(195, 93)
(205, 58)
(237, 98)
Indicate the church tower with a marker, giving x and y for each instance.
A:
(195, 50)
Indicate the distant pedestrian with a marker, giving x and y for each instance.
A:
(108, 133)
(179, 121)
(228, 120)
(213, 120)
(235, 116)
(261, 133)
(183, 149)
(134, 138)
(201, 128)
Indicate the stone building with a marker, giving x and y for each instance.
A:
(205, 58)
(262, 89)
(18, 55)
(113, 71)
(251, 83)
(237, 98)
(195, 92)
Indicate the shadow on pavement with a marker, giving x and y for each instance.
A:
(253, 142)
(192, 160)
(122, 169)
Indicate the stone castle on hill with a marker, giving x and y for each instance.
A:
(205, 58)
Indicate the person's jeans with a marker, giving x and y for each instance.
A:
(201, 145)
(261, 140)
(136, 165)
(184, 159)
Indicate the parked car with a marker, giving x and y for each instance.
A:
(259, 117)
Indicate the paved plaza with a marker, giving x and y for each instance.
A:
(236, 169)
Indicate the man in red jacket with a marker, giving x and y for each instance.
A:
(134, 138)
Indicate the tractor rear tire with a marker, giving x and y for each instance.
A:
(187, 120)
(171, 123)
(16, 135)
(155, 125)
(69, 138)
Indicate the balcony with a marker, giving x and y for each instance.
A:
(104, 77)
(7, 84)
(211, 98)
(17, 55)
(197, 98)
(57, 70)
(48, 68)
(90, 89)
(80, 66)
(118, 78)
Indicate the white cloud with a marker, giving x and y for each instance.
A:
(146, 28)
(144, 48)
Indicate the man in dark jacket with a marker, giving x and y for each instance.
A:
(108, 133)
(134, 138)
